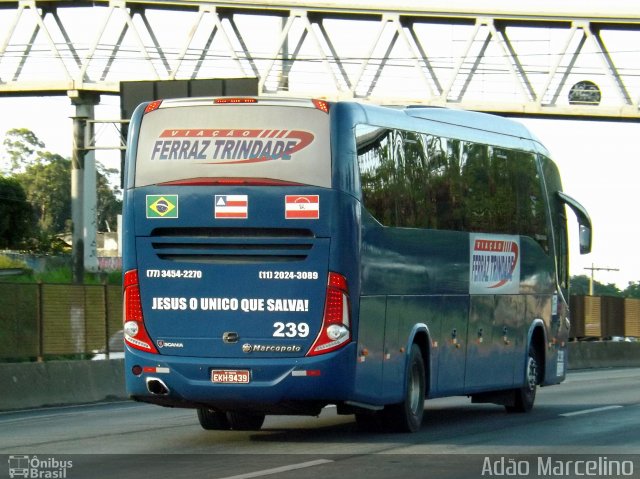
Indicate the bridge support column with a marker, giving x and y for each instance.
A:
(83, 187)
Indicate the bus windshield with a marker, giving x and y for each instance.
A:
(283, 143)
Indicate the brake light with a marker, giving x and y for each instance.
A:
(153, 106)
(205, 181)
(321, 105)
(135, 333)
(234, 101)
(335, 331)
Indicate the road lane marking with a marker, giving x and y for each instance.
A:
(278, 470)
(589, 411)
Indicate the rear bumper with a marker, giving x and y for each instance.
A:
(280, 385)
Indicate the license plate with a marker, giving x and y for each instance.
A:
(230, 376)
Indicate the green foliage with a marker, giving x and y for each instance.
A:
(48, 188)
(632, 290)
(22, 147)
(44, 178)
(15, 214)
(8, 263)
(580, 287)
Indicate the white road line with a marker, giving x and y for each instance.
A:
(278, 470)
(589, 411)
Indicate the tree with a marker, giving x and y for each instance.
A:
(46, 180)
(15, 214)
(109, 206)
(580, 286)
(48, 187)
(22, 147)
(632, 290)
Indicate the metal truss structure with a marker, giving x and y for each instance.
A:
(489, 56)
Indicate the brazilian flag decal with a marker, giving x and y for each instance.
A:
(162, 206)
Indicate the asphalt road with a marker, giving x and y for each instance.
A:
(589, 424)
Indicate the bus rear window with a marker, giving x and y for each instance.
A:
(288, 144)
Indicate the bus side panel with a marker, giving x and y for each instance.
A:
(408, 261)
(557, 356)
(450, 345)
(538, 281)
(495, 340)
(368, 376)
(425, 276)
(446, 355)
(403, 314)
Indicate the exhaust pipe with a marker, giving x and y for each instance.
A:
(157, 387)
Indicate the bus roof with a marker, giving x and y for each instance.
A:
(471, 119)
(465, 124)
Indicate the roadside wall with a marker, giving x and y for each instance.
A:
(603, 354)
(32, 385)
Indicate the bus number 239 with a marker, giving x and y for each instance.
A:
(290, 330)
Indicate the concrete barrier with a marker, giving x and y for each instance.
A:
(603, 354)
(53, 383)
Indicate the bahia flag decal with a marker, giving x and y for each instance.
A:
(231, 206)
(306, 207)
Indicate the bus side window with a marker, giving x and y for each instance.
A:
(558, 221)
(419, 180)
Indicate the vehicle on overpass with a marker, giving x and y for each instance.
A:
(281, 255)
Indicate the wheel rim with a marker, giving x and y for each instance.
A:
(414, 390)
(532, 374)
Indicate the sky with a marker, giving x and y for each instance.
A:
(599, 163)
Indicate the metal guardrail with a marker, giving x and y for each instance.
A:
(43, 321)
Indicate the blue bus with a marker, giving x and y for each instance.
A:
(282, 255)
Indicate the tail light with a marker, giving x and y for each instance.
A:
(153, 106)
(135, 333)
(236, 181)
(336, 323)
(321, 105)
(234, 100)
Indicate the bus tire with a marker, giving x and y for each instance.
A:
(242, 421)
(525, 396)
(407, 415)
(213, 420)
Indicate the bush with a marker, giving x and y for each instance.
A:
(9, 263)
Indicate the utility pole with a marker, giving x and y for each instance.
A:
(83, 185)
(593, 269)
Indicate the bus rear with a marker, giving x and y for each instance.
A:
(235, 303)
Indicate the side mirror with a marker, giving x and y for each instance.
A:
(584, 237)
(585, 233)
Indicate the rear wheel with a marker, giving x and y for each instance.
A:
(407, 415)
(525, 396)
(213, 420)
